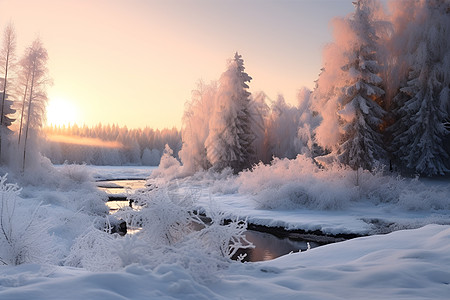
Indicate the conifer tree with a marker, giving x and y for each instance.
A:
(423, 103)
(230, 140)
(359, 94)
(7, 60)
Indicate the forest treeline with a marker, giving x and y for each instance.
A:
(382, 98)
(108, 144)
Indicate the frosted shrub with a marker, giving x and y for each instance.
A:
(300, 183)
(76, 173)
(169, 168)
(72, 187)
(165, 218)
(289, 184)
(224, 239)
(24, 236)
(94, 250)
(168, 219)
(417, 196)
(173, 234)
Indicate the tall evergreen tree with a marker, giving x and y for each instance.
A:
(359, 97)
(229, 143)
(423, 104)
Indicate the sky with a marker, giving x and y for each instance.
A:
(136, 62)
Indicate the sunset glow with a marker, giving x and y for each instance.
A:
(83, 141)
(134, 63)
(62, 112)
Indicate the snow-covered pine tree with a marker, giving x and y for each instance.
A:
(8, 112)
(358, 100)
(229, 143)
(282, 130)
(260, 113)
(7, 120)
(423, 104)
(7, 61)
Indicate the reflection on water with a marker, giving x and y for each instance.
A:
(116, 205)
(268, 246)
(117, 187)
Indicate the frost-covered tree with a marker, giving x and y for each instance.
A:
(308, 122)
(33, 81)
(260, 111)
(230, 139)
(354, 101)
(7, 60)
(195, 129)
(7, 119)
(422, 105)
(282, 129)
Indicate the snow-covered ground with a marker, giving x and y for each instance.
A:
(409, 264)
(119, 172)
(405, 264)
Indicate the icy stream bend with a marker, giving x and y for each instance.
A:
(269, 242)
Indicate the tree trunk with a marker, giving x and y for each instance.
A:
(28, 117)
(23, 109)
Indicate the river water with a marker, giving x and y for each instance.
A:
(267, 246)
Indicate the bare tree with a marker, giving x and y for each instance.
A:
(7, 59)
(33, 79)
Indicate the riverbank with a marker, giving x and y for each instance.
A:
(405, 264)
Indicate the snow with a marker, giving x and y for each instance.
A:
(404, 264)
(102, 173)
(408, 264)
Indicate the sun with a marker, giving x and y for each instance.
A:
(61, 112)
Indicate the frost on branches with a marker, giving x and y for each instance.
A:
(229, 143)
(357, 100)
(24, 236)
(422, 104)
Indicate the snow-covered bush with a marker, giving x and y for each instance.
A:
(76, 173)
(289, 184)
(169, 167)
(94, 250)
(223, 239)
(300, 183)
(70, 186)
(171, 233)
(24, 236)
(168, 218)
(57, 204)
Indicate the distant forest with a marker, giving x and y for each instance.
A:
(108, 144)
(382, 98)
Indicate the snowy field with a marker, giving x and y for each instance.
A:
(118, 172)
(405, 264)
